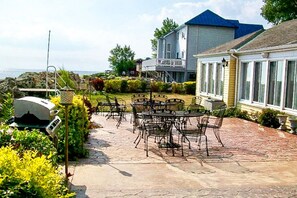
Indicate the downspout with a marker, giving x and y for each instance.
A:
(232, 51)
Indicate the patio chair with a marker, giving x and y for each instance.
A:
(116, 109)
(120, 109)
(215, 122)
(195, 128)
(175, 104)
(160, 97)
(137, 124)
(137, 109)
(101, 104)
(141, 104)
(159, 130)
(196, 104)
(136, 97)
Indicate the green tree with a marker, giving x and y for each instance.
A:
(65, 79)
(121, 59)
(277, 11)
(168, 25)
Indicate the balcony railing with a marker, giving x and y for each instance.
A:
(149, 65)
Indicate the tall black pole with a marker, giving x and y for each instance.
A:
(66, 143)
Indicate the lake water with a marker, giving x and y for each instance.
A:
(14, 73)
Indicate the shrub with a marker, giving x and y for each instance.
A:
(113, 86)
(29, 176)
(156, 86)
(178, 88)
(5, 136)
(190, 87)
(98, 84)
(78, 128)
(237, 113)
(124, 86)
(36, 141)
(143, 85)
(166, 87)
(134, 86)
(7, 107)
(23, 140)
(88, 104)
(268, 117)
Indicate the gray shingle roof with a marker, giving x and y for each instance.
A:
(282, 34)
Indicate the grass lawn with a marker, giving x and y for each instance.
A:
(127, 98)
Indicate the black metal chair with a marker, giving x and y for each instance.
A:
(175, 104)
(195, 128)
(159, 130)
(196, 104)
(216, 122)
(116, 109)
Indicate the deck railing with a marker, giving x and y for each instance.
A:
(161, 62)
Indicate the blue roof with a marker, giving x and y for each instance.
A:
(208, 18)
(244, 29)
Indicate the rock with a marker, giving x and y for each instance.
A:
(31, 80)
(9, 85)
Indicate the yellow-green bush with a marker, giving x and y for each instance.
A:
(156, 86)
(29, 176)
(23, 140)
(190, 87)
(78, 127)
(178, 88)
(112, 86)
(134, 86)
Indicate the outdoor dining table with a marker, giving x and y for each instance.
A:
(175, 119)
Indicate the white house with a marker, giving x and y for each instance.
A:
(175, 52)
(261, 71)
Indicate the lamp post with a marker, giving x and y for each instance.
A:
(151, 95)
(66, 100)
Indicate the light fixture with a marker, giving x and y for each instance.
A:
(224, 63)
(66, 100)
(265, 54)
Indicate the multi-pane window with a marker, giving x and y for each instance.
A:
(259, 82)
(168, 51)
(203, 78)
(246, 81)
(220, 80)
(211, 78)
(275, 82)
(291, 86)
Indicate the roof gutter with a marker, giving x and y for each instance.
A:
(232, 53)
(282, 48)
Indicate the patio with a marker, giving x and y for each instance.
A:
(256, 161)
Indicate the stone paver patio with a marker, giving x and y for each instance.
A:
(255, 162)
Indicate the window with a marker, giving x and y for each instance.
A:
(183, 54)
(275, 82)
(246, 81)
(211, 78)
(259, 82)
(203, 78)
(291, 91)
(168, 51)
(220, 80)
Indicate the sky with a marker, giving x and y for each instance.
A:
(84, 31)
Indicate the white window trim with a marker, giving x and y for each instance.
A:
(284, 81)
(207, 94)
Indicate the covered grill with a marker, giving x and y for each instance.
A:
(36, 113)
